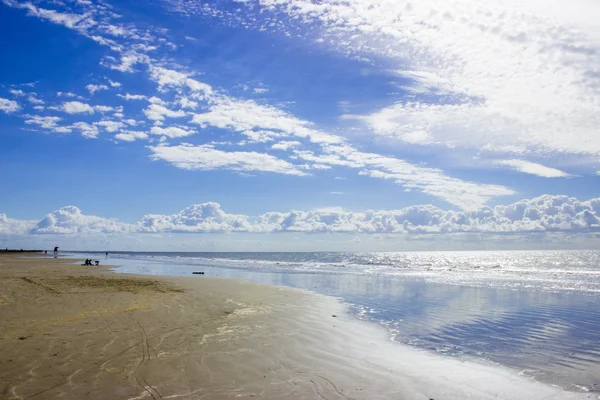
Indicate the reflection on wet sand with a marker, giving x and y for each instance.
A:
(552, 336)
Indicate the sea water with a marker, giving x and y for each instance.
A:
(534, 311)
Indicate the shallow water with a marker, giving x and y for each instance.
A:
(536, 312)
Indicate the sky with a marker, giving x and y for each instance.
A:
(298, 125)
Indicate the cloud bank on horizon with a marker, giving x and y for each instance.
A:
(458, 103)
(543, 214)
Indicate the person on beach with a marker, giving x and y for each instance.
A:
(56, 252)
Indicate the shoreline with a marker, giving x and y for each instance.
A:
(89, 332)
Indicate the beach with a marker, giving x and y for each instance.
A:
(75, 332)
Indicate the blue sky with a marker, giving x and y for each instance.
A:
(253, 122)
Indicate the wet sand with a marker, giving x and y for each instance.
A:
(75, 332)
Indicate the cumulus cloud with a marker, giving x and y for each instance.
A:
(103, 109)
(34, 100)
(9, 106)
(207, 217)
(126, 62)
(44, 122)
(157, 112)
(171, 78)
(547, 213)
(206, 157)
(9, 226)
(88, 131)
(110, 126)
(131, 136)
(285, 145)
(533, 168)
(95, 88)
(77, 107)
(70, 220)
(171, 131)
(128, 96)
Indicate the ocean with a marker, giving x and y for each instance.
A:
(537, 312)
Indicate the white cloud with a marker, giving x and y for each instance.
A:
(44, 122)
(9, 226)
(115, 30)
(533, 168)
(506, 73)
(206, 157)
(247, 115)
(128, 96)
(70, 220)
(66, 94)
(187, 103)
(157, 112)
(546, 213)
(9, 106)
(103, 109)
(207, 217)
(128, 60)
(171, 131)
(464, 194)
(168, 77)
(131, 136)
(77, 107)
(18, 93)
(110, 126)
(95, 88)
(87, 130)
(285, 145)
(132, 122)
(34, 100)
(260, 90)
(72, 21)
(114, 84)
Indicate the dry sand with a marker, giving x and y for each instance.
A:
(74, 332)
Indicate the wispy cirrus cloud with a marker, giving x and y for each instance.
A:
(502, 77)
(206, 157)
(259, 123)
(533, 168)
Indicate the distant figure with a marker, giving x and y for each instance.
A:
(46, 252)
(21, 249)
(97, 262)
(107, 254)
(56, 252)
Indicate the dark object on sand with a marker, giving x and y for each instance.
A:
(198, 273)
(97, 262)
